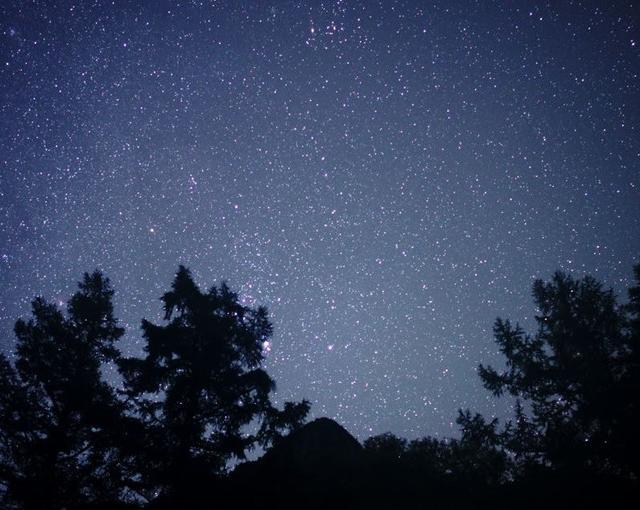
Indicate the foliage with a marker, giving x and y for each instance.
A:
(199, 399)
(57, 416)
(68, 439)
(577, 377)
(472, 459)
(200, 386)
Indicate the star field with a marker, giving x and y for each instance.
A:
(386, 177)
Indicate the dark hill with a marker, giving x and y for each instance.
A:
(319, 445)
(322, 442)
(298, 471)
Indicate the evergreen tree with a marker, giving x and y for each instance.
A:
(200, 386)
(386, 448)
(624, 428)
(577, 376)
(477, 457)
(57, 415)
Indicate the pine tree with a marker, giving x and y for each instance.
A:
(577, 377)
(57, 414)
(200, 386)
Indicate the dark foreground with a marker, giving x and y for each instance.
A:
(321, 466)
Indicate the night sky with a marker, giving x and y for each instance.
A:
(386, 177)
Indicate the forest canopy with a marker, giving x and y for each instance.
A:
(70, 438)
(199, 398)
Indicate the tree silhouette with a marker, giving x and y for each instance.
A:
(57, 416)
(200, 386)
(628, 388)
(577, 377)
(474, 458)
(199, 399)
(386, 447)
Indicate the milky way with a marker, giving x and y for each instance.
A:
(386, 177)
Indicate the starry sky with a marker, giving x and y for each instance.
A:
(387, 177)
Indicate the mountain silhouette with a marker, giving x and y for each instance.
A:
(317, 446)
(321, 443)
(312, 467)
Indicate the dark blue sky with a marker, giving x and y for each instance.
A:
(387, 177)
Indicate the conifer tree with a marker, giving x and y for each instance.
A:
(57, 414)
(577, 378)
(200, 385)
